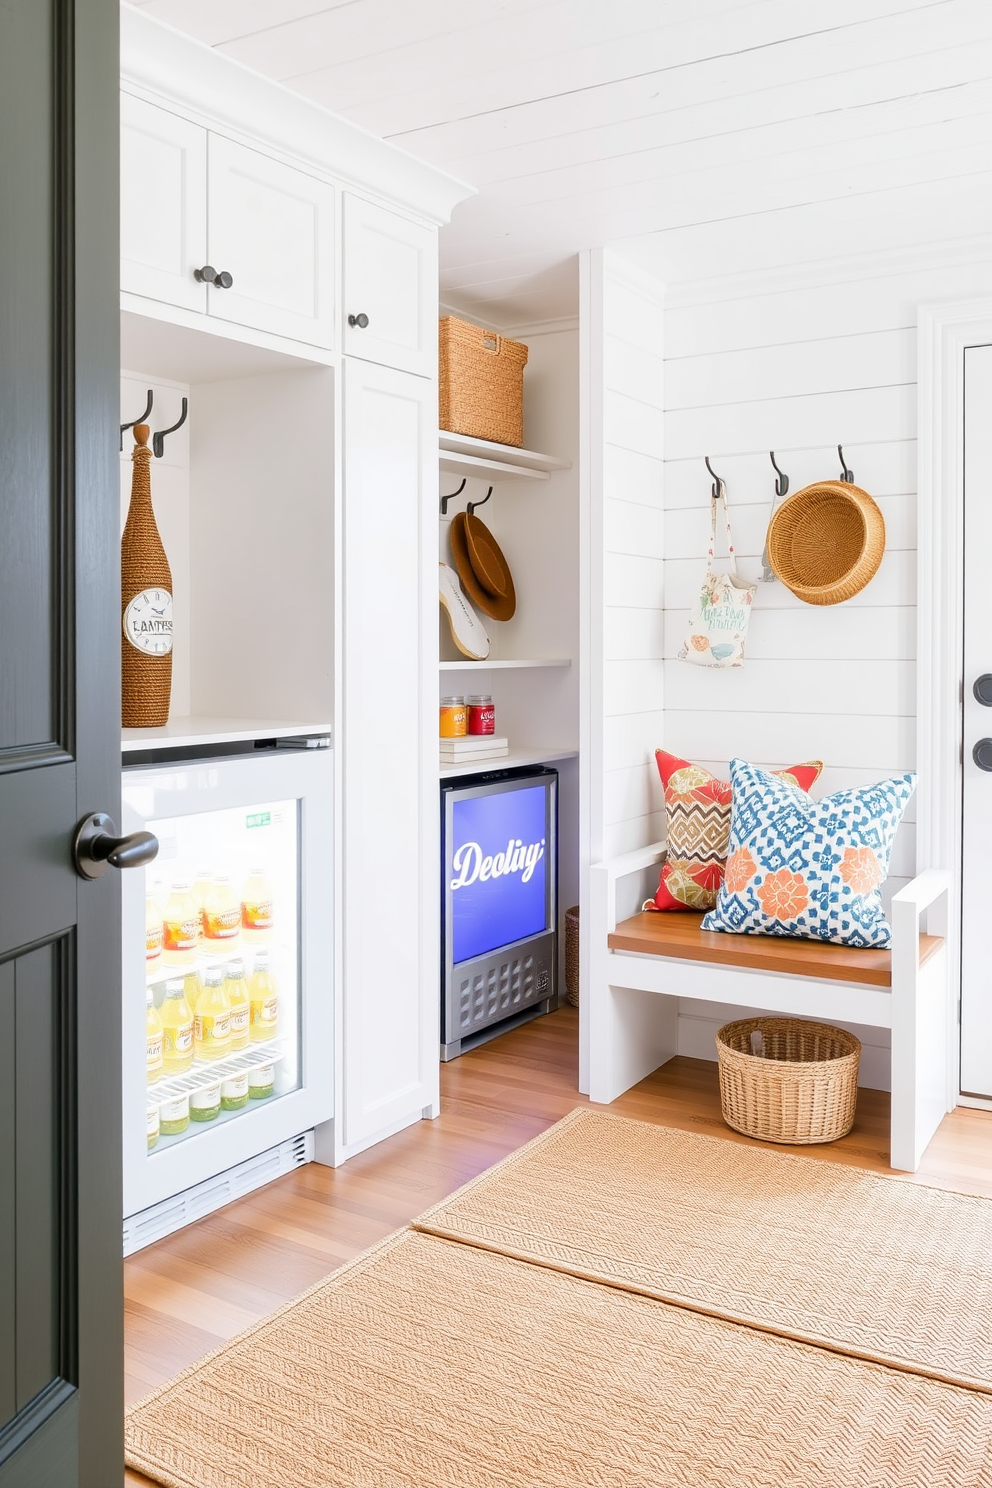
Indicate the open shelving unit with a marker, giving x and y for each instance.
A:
(460, 454)
(532, 756)
(467, 665)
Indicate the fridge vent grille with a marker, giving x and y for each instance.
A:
(163, 1219)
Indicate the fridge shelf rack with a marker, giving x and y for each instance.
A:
(201, 1076)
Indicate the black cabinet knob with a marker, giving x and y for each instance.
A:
(96, 844)
(983, 689)
(209, 275)
(982, 754)
(361, 321)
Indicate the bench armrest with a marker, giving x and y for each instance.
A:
(604, 877)
(927, 892)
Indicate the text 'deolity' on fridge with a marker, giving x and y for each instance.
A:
(227, 980)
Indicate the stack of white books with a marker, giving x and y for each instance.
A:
(473, 747)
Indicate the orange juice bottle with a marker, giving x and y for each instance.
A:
(154, 1037)
(153, 934)
(213, 1017)
(221, 917)
(237, 991)
(201, 888)
(256, 908)
(263, 994)
(179, 929)
(177, 1027)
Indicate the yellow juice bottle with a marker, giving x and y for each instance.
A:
(177, 1027)
(256, 908)
(179, 928)
(237, 991)
(153, 1126)
(263, 994)
(153, 934)
(154, 1037)
(202, 884)
(213, 1017)
(221, 917)
(193, 987)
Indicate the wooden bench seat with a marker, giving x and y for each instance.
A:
(678, 934)
(636, 970)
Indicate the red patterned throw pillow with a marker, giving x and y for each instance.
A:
(697, 808)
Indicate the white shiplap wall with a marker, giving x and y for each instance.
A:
(622, 393)
(798, 368)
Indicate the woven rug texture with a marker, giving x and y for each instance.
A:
(872, 1266)
(431, 1364)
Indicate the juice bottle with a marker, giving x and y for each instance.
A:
(204, 1104)
(221, 917)
(237, 990)
(179, 929)
(213, 1017)
(193, 987)
(261, 1081)
(152, 1126)
(174, 1116)
(234, 1092)
(201, 888)
(177, 1025)
(153, 934)
(264, 996)
(154, 1037)
(256, 908)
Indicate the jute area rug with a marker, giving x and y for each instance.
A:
(441, 1362)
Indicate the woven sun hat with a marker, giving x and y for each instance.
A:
(481, 567)
(825, 542)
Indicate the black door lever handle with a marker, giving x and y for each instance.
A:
(95, 844)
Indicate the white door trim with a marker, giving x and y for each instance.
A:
(945, 329)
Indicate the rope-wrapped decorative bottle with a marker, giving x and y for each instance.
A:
(146, 603)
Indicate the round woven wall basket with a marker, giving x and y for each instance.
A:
(802, 1089)
(826, 541)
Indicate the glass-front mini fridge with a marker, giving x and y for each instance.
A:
(227, 977)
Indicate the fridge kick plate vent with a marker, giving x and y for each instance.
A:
(193, 1203)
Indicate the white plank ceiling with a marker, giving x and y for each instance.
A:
(702, 137)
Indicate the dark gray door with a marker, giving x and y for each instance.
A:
(60, 1240)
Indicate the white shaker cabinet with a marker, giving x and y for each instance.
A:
(386, 735)
(163, 204)
(213, 226)
(389, 302)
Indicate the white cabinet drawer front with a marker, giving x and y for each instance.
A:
(163, 204)
(390, 276)
(390, 983)
(272, 228)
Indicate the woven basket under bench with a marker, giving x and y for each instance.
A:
(802, 1089)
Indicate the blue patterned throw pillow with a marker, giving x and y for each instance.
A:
(808, 868)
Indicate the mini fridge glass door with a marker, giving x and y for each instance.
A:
(227, 966)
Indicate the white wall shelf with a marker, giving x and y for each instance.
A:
(181, 733)
(495, 666)
(508, 761)
(462, 455)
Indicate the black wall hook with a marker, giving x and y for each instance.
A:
(140, 419)
(718, 484)
(158, 439)
(474, 505)
(446, 499)
(782, 484)
(845, 474)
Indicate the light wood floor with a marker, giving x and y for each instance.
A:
(190, 1292)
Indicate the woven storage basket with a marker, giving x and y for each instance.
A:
(825, 542)
(572, 955)
(803, 1090)
(481, 382)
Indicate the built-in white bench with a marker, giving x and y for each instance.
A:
(641, 966)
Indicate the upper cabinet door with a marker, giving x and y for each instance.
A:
(163, 204)
(271, 229)
(390, 288)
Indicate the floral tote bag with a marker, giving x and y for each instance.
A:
(718, 623)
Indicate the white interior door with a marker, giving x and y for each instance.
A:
(390, 288)
(163, 204)
(271, 227)
(387, 731)
(976, 887)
